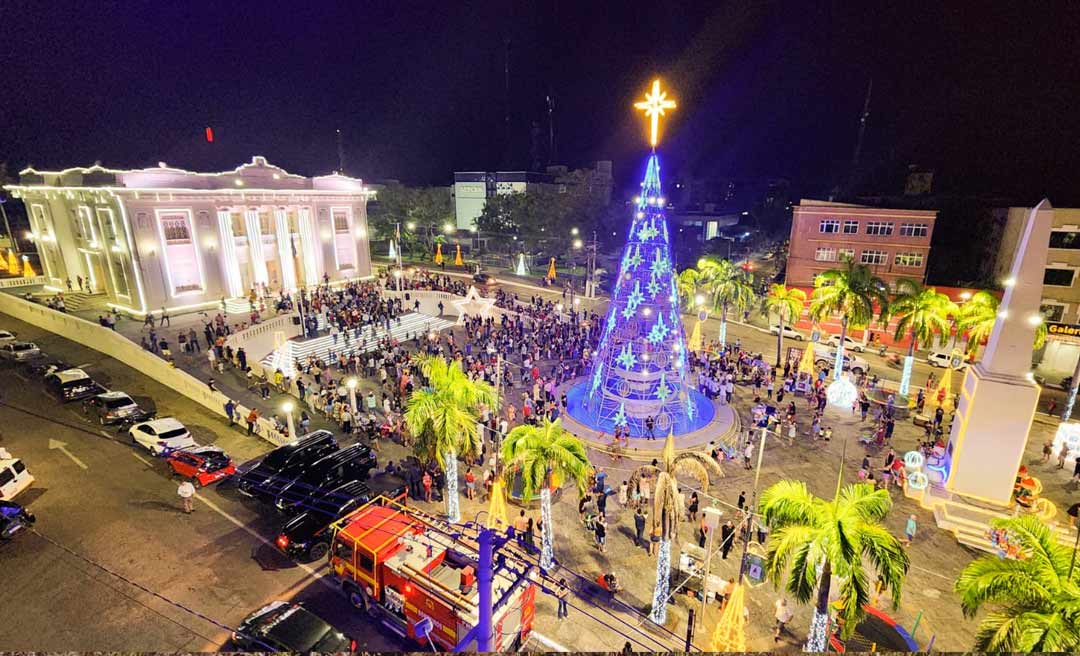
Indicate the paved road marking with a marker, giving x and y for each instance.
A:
(62, 446)
(319, 576)
(548, 642)
(143, 460)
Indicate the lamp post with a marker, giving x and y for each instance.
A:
(351, 384)
(498, 397)
(287, 408)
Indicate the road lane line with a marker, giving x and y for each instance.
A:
(548, 642)
(143, 460)
(244, 527)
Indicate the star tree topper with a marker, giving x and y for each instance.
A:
(654, 105)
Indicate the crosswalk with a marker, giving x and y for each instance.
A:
(328, 347)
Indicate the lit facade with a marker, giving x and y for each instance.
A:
(165, 237)
(893, 243)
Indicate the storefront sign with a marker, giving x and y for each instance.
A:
(1063, 331)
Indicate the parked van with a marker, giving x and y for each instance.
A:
(14, 476)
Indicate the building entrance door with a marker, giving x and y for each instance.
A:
(95, 272)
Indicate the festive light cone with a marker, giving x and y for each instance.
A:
(393, 251)
(730, 632)
(806, 364)
(941, 395)
(3, 264)
(521, 270)
(551, 270)
(696, 340)
(457, 257)
(438, 254)
(496, 518)
(28, 271)
(12, 263)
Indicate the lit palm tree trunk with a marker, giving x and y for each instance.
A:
(909, 362)
(840, 349)
(723, 325)
(780, 339)
(547, 538)
(663, 583)
(817, 639)
(453, 512)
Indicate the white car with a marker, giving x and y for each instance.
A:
(849, 344)
(161, 436)
(19, 351)
(789, 332)
(942, 359)
(6, 336)
(852, 363)
(14, 477)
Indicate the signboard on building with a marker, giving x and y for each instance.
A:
(1065, 332)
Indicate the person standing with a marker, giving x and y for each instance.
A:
(521, 525)
(909, 529)
(426, 481)
(783, 615)
(601, 503)
(230, 411)
(186, 491)
(561, 593)
(639, 527)
(601, 532)
(252, 418)
(748, 455)
(742, 500)
(727, 537)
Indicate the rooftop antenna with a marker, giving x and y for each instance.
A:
(551, 127)
(859, 140)
(340, 154)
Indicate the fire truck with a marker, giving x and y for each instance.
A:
(407, 570)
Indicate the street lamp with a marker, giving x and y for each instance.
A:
(578, 243)
(498, 398)
(351, 384)
(699, 300)
(287, 408)
(411, 225)
(448, 228)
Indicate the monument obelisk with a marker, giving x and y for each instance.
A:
(998, 399)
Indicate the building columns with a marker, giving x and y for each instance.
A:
(230, 266)
(255, 245)
(285, 251)
(310, 245)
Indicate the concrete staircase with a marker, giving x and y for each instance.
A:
(410, 324)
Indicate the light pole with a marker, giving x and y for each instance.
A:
(351, 384)
(397, 235)
(753, 500)
(712, 523)
(498, 398)
(287, 408)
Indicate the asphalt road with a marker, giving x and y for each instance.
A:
(113, 563)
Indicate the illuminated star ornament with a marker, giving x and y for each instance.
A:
(654, 105)
(473, 305)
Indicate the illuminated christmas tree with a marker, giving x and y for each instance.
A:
(640, 367)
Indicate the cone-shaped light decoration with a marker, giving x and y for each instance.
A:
(12, 263)
(496, 518)
(438, 254)
(457, 257)
(28, 271)
(806, 364)
(551, 270)
(521, 269)
(393, 251)
(730, 632)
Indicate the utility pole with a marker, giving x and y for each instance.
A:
(859, 140)
(399, 272)
(551, 128)
(712, 522)
(340, 154)
(753, 501)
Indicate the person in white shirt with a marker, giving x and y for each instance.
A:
(783, 615)
(186, 491)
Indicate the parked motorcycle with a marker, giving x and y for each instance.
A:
(13, 518)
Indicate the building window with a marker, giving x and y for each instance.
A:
(825, 255)
(1059, 277)
(829, 226)
(108, 223)
(266, 225)
(344, 241)
(879, 228)
(1053, 311)
(1066, 239)
(913, 260)
(183, 269)
(86, 224)
(874, 257)
(846, 254)
(914, 230)
(851, 227)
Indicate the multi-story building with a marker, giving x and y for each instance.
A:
(893, 243)
(165, 237)
(1061, 282)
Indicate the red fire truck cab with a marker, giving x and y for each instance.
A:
(392, 563)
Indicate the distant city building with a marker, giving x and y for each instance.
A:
(1061, 282)
(473, 188)
(894, 243)
(165, 237)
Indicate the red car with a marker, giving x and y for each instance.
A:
(204, 465)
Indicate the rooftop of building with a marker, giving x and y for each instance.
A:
(815, 205)
(256, 175)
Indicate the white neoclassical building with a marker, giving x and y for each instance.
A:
(165, 237)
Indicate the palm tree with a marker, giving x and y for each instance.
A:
(668, 511)
(729, 287)
(979, 314)
(787, 303)
(922, 312)
(852, 293)
(820, 539)
(690, 284)
(544, 454)
(1036, 598)
(443, 418)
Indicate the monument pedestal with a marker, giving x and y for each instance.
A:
(989, 434)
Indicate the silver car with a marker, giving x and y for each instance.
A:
(19, 351)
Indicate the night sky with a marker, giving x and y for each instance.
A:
(987, 94)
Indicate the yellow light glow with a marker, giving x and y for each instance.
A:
(287, 407)
(654, 105)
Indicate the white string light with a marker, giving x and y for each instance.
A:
(663, 583)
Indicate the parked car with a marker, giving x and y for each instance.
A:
(852, 363)
(353, 463)
(6, 336)
(306, 535)
(161, 436)
(943, 359)
(204, 465)
(19, 351)
(263, 480)
(68, 385)
(849, 344)
(288, 626)
(14, 476)
(112, 407)
(789, 332)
